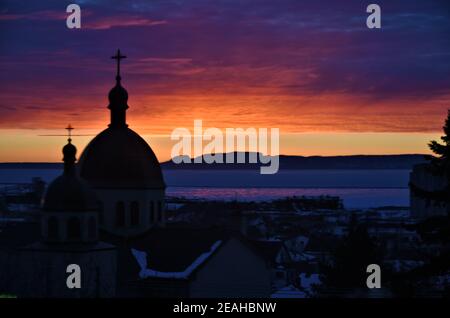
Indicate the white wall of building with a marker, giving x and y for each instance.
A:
(144, 198)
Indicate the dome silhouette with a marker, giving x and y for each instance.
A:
(68, 193)
(120, 158)
(118, 95)
(69, 152)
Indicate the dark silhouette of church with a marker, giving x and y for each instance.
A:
(69, 236)
(106, 215)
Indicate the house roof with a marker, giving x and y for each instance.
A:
(169, 250)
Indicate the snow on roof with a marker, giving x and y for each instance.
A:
(141, 258)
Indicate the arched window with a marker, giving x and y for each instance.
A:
(92, 228)
(120, 214)
(152, 212)
(52, 228)
(73, 228)
(134, 213)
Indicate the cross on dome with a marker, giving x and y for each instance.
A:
(69, 129)
(118, 57)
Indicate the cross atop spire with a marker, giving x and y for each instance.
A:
(69, 152)
(69, 129)
(118, 57)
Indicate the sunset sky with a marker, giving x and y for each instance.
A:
(310, 68)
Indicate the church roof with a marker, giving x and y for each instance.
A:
(69, 193)
(120, 158)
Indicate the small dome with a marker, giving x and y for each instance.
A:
(69, 152)
(67, 193)
(118, 95)
(120, 158)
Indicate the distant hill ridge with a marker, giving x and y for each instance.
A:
(406, 161)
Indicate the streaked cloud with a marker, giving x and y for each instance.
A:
(105, 23)
(304, 66)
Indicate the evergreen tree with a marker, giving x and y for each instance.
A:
(441, 160)
(440, 166)
(435, 230)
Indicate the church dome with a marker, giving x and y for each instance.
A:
(118, 94)
(120, 158)
(67, 192)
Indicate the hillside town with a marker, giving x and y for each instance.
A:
(291, 244)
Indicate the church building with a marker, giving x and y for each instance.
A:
(105, 214)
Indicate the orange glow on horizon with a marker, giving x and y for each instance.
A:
(324, 125)
(30, 147)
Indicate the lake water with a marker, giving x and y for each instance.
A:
(358, 188)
